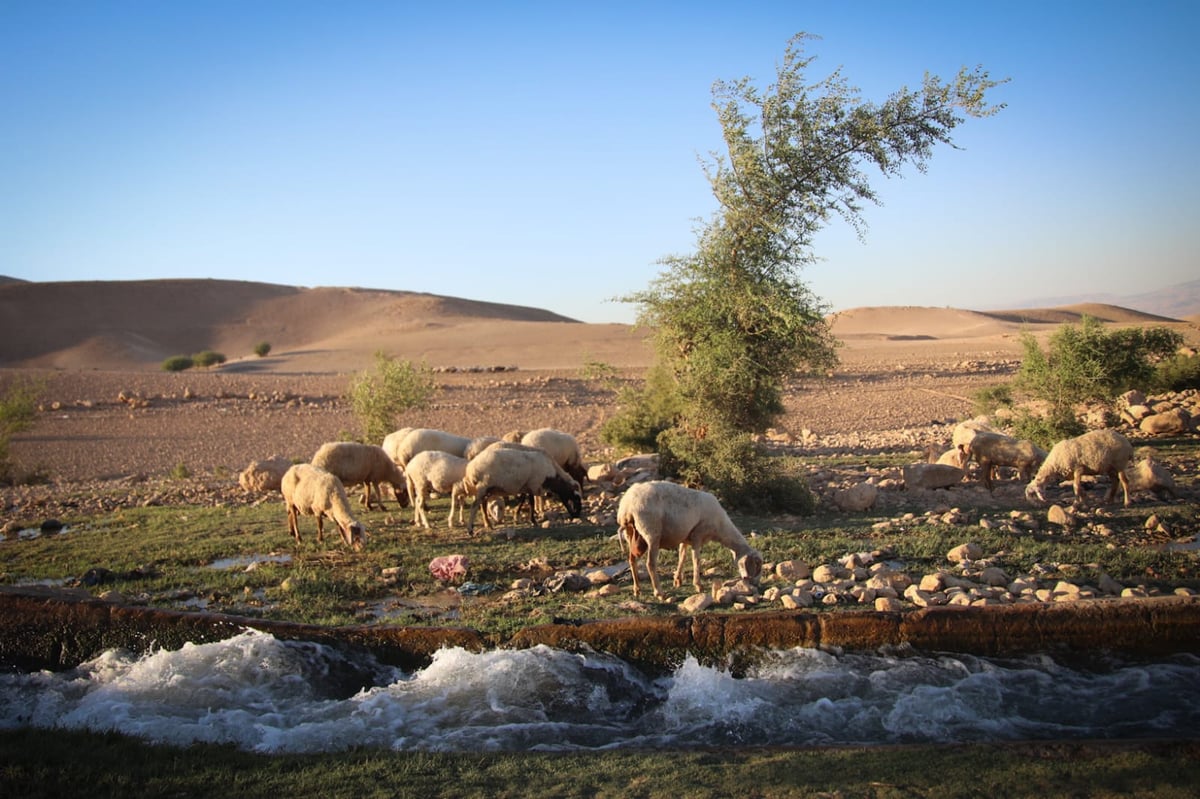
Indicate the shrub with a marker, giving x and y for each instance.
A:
(208, 358)
(262, 349)
(1046, 431)
(1177, 373)
(734, 468)
(178, 363)
(379, 398)
(987, 400)
(643, 413)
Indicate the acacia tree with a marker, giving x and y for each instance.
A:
(733, 321)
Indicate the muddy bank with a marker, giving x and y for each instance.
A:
(57, 629)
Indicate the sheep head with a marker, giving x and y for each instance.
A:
(354, 535)
(750, 565)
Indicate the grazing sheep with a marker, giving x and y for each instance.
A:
(661, 514)
(312, 491)
(991, 450)
(423, 438)
(509, 471)
(965, 431)
(561, 447)
(1104, 452)
(391, 442)
(478, 445)
(265, 475)
(355, 463)
(433, 471)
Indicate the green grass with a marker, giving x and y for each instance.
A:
(37, 764)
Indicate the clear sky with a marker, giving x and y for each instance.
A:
(547, 153)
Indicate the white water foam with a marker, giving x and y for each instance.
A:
(267, 695)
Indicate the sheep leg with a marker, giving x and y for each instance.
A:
(293, 522)
(652, 568)
(1116, 477)
(320, 527)
(679, 568)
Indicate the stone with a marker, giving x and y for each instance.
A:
(824, 574)
(888, 604)
(1150, 475)
(1108, 585)
(993, 576)
(932, 475)
(696, 603)
(1059, 516)
(792, 570)
(1171, 422)
(964, 552)
(857, 498)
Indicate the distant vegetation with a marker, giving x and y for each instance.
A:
(379, 397)
(204, 358)
(262, 349)
(18, 404)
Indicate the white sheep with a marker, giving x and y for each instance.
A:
(433, 471)
(965, 431)
(425, 438)
(991, 450)
(368, 464)
(661, 514)
(391, 442)
(312, 491)
(1105, 452)
(478, 445)
(264, 475)
(509, 471)
(562, 447)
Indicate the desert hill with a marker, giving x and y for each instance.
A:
(135, 325)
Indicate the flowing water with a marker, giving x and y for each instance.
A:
(268, 695)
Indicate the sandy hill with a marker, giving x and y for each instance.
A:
(135, 325)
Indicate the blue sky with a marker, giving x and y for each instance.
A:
(547, 154)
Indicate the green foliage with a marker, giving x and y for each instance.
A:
(178, 363)
(643, 413)
(206, 358)
(1177, 373)
(732, 466)
(262, 349)
(1048, 430)
(378, 398)
(732, 321)
(180, 471)
(1086, 362)
(18, 406)
(987, 400)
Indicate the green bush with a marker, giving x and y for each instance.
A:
(733, 467)
(643, 413)
(262, 349)
(1177, 373)
(1046, 431)
(987, 401)
(208, 358)
(178, 363)
(379, 398)
(1086, 362)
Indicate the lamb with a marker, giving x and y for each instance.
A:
(433, 471)
(660, 513)
(512, 472)
(1104, 452)
(424, 438)
(312, 491)
(996, 449)
(561, 447)
(368, 464)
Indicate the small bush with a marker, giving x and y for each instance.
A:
(987, 400)
(178, 363)
(1177, 373)
(1046, 431)
(643, 413)
(180, 471)
(734, 468)
(262, 349)
(18, 406)
(379, 398)
(207, 358)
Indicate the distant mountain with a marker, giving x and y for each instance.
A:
(1176, 302)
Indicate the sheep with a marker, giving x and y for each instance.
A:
(478, 445)
(391, 442)
(660, 513)
(368, 464)
(996, 449)
(511, 472)
(433, 471)
(965, 431)
(1104, 452)
(561, 447)
(312, 491)
(423, 438)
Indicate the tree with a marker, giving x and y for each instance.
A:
(732, 321)
(379, 398)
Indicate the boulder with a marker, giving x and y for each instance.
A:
(857, 498)
(1150, 475)
(1169, 422)
(932, 475)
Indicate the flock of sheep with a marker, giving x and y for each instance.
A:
(420, 462)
